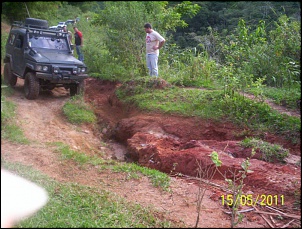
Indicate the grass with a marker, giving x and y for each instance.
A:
(76, 206)
(269, 152)
(9, 129)
(173, 100)
(132, 170)
(77, 111)
(288, 97)
(158, 178)
(211, 104)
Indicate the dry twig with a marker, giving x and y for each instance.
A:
(266, 220)
(286, 225)
(242, 211)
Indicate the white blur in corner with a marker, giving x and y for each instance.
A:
(20, 198)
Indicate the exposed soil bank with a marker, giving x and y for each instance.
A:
(174, 144)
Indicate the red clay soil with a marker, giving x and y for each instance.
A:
(179, 145)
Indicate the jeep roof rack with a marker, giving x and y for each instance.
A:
(39, 29)
(26, 26)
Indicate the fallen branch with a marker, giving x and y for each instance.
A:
(209, 209)
(207, 182)
(272, 219)
(282, 213)
(286, 225)
(286, 215)
(242, 211)
(266, 220)
(273, 208)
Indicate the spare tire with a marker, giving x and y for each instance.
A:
(37, 23)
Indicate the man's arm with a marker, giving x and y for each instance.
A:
(81, 41)
(81, 37)
(161, 44)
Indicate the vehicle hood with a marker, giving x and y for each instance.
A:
(56, 58)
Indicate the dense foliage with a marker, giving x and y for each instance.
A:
(223, 17)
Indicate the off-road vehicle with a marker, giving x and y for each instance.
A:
(43, 58)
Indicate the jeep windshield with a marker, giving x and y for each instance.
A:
(48, 43)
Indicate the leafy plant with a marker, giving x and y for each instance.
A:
(269, 152)
(235, 184)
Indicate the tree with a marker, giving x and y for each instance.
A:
(123, 23)
(16, 11)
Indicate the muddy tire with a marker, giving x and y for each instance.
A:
(31, 86)
(9, 78)
(76, 89)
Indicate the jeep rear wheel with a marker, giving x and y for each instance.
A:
(31, 86)
(9, 78)
(76, 89)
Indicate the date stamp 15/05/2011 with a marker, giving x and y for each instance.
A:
(252, 200)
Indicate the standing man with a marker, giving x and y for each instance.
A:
(69, 34)
(78, 41)
(154, 41)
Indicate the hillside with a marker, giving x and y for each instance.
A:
(169, 136)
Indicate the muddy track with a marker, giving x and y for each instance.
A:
(153, 140)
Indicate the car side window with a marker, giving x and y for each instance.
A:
(12, 39)
(19, 42)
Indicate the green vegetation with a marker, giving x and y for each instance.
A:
(290, 98)
(4, 37)
(158, 179)
(9, 129)
(269, 152)
(210, 104)
(77, 206)
(235, 185)
(244, 54)
(77, 111)
(132, 170)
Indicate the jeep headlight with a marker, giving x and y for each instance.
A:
(81, 70)
(75, 71)
(56, 70)
(42, 68)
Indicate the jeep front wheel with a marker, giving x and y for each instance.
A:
(9, 78)
(31, 86)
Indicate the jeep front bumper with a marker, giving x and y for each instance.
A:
(60, 78)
